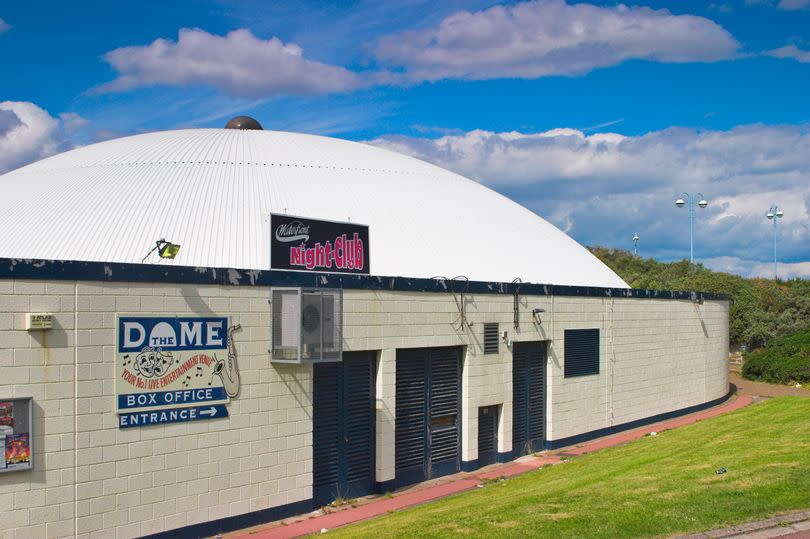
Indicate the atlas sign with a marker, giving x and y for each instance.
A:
(169, 334)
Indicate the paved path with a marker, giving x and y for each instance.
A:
(445, 486)
(761, 389)
(794, 525)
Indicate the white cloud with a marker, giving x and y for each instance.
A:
(757, 268)
(238, 63)
(29, 133)
(4, 26)
(791, 51)
(792, 5)
(601, 188)
(549, 37)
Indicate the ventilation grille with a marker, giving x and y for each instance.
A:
(581, 352)
(491, 338)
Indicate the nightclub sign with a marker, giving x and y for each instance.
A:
(298, 243)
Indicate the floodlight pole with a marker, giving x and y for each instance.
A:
(635, 243)
(690, 203)
(774, 213)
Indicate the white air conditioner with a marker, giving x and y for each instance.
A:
(307, 325)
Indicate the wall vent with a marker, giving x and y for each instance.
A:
(491, 338)
(581, 352)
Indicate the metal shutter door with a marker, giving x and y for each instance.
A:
(359, 402)
(520, 399)
(445, 408)
(325, 433)
(487, 435)
(529, 397)
(343, 448)
(428, 413)
(411, 408)
(537, 395)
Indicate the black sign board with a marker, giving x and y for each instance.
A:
(299, 243)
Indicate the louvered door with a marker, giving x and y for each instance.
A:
(411, 420)
(428, 413)
(529, 397)
(487, 435)
(359, 403)
(445, 406)
(343, 428)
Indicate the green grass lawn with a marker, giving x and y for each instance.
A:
(658, 485)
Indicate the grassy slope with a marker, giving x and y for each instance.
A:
(655, 486)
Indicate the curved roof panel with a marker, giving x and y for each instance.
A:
(212, 190)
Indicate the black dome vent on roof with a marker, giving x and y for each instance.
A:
(243, 122)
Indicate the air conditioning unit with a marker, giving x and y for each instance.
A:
(307, 325)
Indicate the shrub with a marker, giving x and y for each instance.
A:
(784, 360)
(760, 310)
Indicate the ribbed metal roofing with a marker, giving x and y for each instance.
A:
(212, 190)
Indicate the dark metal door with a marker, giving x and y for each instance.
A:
(428, 442)
(343, 445)
(487, 435)
(529, 397)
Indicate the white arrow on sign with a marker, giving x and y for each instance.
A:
(211, 411)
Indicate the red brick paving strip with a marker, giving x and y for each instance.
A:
(465, 482)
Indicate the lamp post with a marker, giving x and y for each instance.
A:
(635, 243)
(773, 214)
(690, 201)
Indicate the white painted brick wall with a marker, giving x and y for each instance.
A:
(101, 481)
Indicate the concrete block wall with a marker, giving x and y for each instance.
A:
(656, 356)
(91, 478)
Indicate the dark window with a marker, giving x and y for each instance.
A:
(581, 352)
(491, 338)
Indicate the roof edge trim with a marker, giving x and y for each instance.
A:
(70, 270)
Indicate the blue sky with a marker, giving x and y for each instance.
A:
(594, 115)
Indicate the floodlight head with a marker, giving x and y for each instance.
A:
(680, 202)
(167, 249)
(703, 203)
(769, 215)
(635, 237)
(779, 213)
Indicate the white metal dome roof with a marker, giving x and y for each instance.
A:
(212, 190)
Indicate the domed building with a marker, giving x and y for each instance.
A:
(236, 325)
(212, 190)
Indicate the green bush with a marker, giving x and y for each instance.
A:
(785, 359)
(760, 310)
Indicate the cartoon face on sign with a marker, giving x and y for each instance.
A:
(153, 362)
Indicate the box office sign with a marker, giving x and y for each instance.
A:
(298, 243)
(174, 369)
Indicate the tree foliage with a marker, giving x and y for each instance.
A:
(761, 309)
(786, 359)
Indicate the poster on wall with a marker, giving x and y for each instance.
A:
(18, 451)
(15, 434)
(303, 244)
(174, 369)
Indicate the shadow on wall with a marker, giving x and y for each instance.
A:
(56, 337)
(195, 302)
(290, 375)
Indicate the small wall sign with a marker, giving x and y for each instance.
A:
(38, 321)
